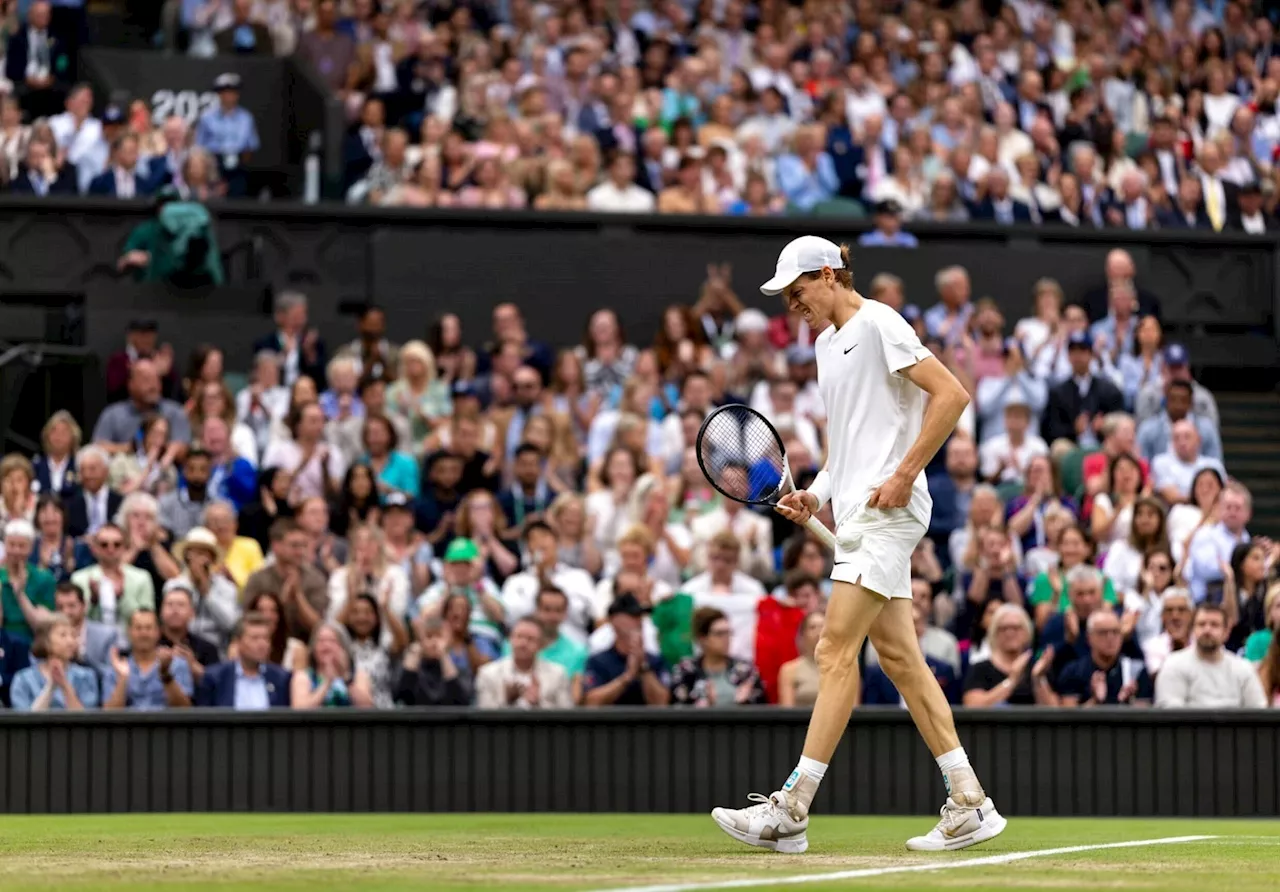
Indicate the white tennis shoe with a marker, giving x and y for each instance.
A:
(961, 826)
(768, 825)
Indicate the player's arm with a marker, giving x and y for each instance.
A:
(947, 401)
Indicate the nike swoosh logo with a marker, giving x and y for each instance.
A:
(847, 349)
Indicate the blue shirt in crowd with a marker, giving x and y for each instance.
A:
(877, 239)
(607, 665)
(251, 691)
(28, 684)
(146, 690)
(400, 473)
(227, 132)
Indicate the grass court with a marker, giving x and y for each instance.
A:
(522, 853)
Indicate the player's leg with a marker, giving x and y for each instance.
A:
(969, 816)
(780, 821)
(851, 613)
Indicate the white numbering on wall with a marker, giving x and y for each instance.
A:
(186, 104)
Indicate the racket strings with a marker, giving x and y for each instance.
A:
(742, 455)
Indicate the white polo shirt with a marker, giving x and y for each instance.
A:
(874, 413)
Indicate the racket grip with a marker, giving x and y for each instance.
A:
(819, 529)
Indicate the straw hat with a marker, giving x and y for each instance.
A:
(198, 537)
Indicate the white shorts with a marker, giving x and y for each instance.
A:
(874, 548)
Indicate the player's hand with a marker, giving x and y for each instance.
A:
(798, 507)
(893, 493)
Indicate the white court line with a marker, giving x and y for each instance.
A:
(907, 868)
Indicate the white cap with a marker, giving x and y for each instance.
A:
(807, 254)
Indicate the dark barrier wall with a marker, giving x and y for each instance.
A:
(1041, 762)
(419, 264)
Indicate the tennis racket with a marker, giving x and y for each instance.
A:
(742, 457)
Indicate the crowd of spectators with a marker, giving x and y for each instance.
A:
(1132, 115)
(122, 154)
(476, 518)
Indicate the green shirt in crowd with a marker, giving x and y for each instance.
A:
(1255, 646)
(40, 586)
(673, 618)
(1042, 592)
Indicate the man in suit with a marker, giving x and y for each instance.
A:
(1077, 406)
(36, 64)
(166, 169)
(248, 682)
(362, 145)
(1250, 218)
(97, 640)
(522, 679)
(650, 170)
(1221, 198)
(1030, 102)
(1129, 208)
(1164, 146)
(91, 503)
(301, 349)
(1188, 210)
(40, 174)
(869, 161)
(997, 206)
(1119, 267)
(116, 590)
(123, 179)
(244, 36)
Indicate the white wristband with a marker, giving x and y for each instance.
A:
(821, 487)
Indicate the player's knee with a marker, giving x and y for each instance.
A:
(835, 657)
(899, 663)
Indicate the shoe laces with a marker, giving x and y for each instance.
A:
(952, 816)
(766, 805)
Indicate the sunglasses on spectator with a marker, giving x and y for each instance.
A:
(1159, 565)
(110, 544)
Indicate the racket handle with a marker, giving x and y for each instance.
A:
(819, 529)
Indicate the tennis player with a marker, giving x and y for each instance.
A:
(874, 375)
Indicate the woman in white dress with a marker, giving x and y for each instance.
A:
(1200, 510)
(1113, 506)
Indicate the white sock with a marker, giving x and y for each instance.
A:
(809, 768)
(957, 758)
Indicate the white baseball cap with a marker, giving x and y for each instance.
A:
(807, 254)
